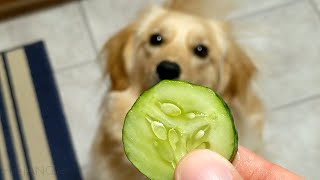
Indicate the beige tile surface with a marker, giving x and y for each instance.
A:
(288, 52)
(81, 92)
(292, 138)
(106, 17)
(62, 28)
(246, 7)
(5, 39)
(317, 2)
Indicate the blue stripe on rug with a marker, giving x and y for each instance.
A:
(8, 139)
(66, 165)
(18, 119)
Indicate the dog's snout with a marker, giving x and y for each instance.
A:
(168, 70)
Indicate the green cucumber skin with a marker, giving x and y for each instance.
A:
(236, 137)
(235, 143)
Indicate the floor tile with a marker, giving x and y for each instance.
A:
(106, 17)
(5, 39)
(292, 138)
(288, 51)
(81, 92)
(317, 2)
(245, 7)
(62, 28)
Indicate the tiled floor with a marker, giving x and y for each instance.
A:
(64, 30)
(81, 90)
(288, 54)
(284, 36)
(317, 2)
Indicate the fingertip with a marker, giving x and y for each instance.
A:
(205, 165)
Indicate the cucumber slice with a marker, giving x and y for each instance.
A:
(171, 119)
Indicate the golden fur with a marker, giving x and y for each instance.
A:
(131, 64)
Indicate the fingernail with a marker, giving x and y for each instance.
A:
(204, 165)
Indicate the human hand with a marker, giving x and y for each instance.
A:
(208, 165)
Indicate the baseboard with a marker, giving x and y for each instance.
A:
(11, 8)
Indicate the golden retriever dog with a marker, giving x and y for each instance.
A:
(166, 44)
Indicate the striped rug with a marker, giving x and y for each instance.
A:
(34, 138)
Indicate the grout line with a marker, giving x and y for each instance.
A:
(89, 30)
(297, 102)
(314, 6)
(264, 10)
(93, 45)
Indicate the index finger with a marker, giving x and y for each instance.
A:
(252, 166)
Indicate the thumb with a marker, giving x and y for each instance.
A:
(205, 165)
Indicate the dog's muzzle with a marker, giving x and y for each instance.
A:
(168, 70)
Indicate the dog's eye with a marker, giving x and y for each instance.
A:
(156, 39)
(201, 51)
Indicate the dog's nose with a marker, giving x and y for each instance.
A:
(168, 70)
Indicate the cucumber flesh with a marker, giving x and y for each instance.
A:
(170, 120)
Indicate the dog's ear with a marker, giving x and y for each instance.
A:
(119, 50)
(115, 56)
(238, 72)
